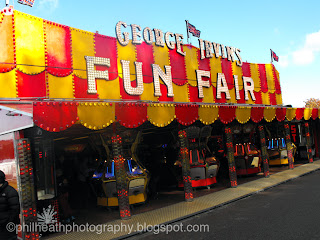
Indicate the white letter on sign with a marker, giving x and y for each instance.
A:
(125, 40)
(201, 83)
(92, 74)
(126, 78)
(248, 88)
(222, 86)
(166, 78)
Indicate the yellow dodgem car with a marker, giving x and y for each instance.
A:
(137, 179)
(277, 151)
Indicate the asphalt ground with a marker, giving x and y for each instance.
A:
(287, 211)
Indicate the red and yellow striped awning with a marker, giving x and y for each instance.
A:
(43, 59)
(56, 116)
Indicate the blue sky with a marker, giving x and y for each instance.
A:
(290, 28)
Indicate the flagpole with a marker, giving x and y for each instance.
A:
(187, 30)
(271, 55)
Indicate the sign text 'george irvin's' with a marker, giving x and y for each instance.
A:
(206, 51)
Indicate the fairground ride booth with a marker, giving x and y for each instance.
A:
(69, 93)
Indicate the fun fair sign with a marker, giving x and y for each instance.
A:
(61, 62)
(161, 39)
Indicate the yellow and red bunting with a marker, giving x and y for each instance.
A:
(290, 113)
(58, 49)
(7, 42)
(299, 113)
(257, 114)
(54, 116)
(131, 115)
(227, 114)
(161, 114)
(243, 114)
(186, 114)
(281, 114)
(315, 113)
(208, 114)
(96, 115)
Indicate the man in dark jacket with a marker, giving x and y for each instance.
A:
(9, 208)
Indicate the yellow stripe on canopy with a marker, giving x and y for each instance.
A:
(160, 114)
(82, 45)
(208, 114)
(60, 87)
(127, 53)
(291, 113)
(192, 65)
(279, 99)
(29, 43)
(161, 56)
(243, 114)
(269, 114)
(270, 78)
(96, 115)
(108, 89)
(180, 93)
(265, 98)
(148, 92)
(255, 76)
(208, 95)
(8, 84)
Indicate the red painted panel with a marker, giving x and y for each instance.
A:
(106, 47)
(54, 116)
(145, 55)
(81, 88)
(131, 115)
(186, 114)
(31, 85)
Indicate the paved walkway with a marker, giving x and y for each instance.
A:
(183, 210)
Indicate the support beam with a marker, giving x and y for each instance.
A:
(230, 156)
(185, 161)
(121, 178)
(308, 138)
(289, 146)
(264, 153)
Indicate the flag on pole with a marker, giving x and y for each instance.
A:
(192, 29)
(26, 2)
(274, 56)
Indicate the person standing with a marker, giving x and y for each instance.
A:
(9, 208)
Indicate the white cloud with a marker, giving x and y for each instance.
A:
(283, 61)
(307, 53)
(48, 4)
